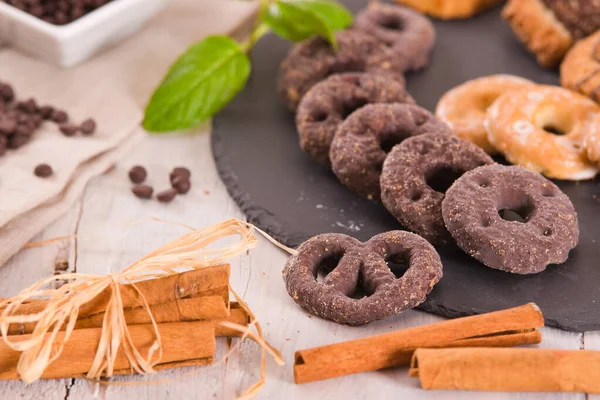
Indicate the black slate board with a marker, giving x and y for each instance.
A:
(282, 191)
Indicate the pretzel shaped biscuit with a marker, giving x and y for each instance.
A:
(353, 265)
(409, 34)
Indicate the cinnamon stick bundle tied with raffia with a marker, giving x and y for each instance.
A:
(117, 346)
(512, 327)
(508, 370)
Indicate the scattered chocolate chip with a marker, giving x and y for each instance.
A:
(28, 106)
(3, 145)
(181, 171)
(68, 129)
(88, 126)
(166, 196)
(142, 191)
(181, 184)
(43, 171)
(6, 92)
(8, 126)
(137, 174)
(24, 129)
(46, 112)
(60, 116)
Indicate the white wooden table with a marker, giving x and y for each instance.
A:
(104, 245)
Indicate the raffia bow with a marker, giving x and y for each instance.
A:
(189, 251)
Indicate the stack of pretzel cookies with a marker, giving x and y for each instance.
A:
(433, 173)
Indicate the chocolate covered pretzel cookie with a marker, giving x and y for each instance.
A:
(352, 265)
(415, 177)
(545, 231)
(364, 139)
(330, 102)
(410, 35)
(313, 60)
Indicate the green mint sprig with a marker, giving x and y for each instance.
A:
(212, 71)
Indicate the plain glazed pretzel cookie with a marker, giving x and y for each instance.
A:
(364, 139)
(313, 60)
(330, 102)
(416, 174)
(409, 35)
(474, 208)
(464, 106)
(520, 126)
(350, 265)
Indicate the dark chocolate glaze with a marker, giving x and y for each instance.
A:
(580, 17)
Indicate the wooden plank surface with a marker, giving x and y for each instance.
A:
(104, 245)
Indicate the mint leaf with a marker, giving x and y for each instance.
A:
(335, 15)
(301, 19)
(203, 80)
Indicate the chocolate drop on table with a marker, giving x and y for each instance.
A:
(181, 184)
(88, 126)
(68, 129)
(137, 174)
(43, 171)
(166, 196)
(142, 191)
(60, 116)
(180, 171)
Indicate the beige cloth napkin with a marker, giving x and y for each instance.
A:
(113, 88)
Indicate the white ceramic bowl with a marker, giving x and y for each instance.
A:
(71, 44)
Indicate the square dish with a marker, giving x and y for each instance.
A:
(70, 44)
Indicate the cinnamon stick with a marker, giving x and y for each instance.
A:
(510, 327)
(238, 316)
(155, 291)
(181, 342)
(508, 370)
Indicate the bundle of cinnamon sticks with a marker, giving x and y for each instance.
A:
(186, 308)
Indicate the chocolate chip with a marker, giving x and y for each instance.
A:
(24, 129)
(36, 120)
(3, 145)
(181, 184)
(60, 116)
(181, 171)
(6, 92)
(46, 112)
(137, 174)
(166, 196)
(142, 191)
(43, 171)
(68, 129)
(8, 126)
(36, 11)
(88, 126)
(17, 141)
(28, 106)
